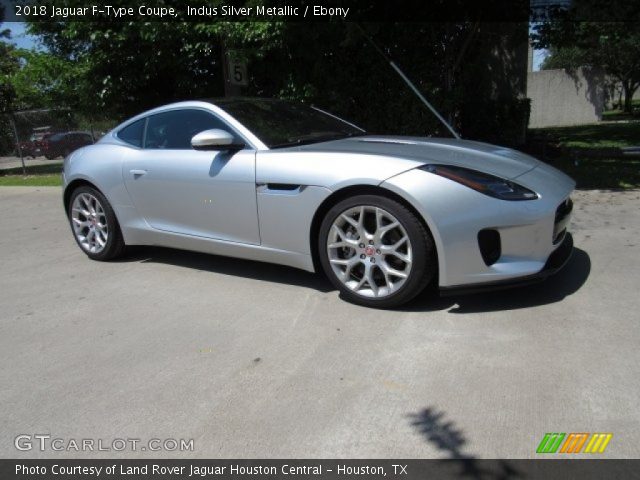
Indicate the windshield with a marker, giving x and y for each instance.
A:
(280, 123)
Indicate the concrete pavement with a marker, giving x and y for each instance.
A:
(255, 360)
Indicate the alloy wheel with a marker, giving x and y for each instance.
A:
(369, 251)
(89, 223)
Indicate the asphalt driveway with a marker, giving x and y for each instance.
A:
(255, 360)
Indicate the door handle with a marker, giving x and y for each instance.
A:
(138, 173)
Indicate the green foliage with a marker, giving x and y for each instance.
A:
(605, 135)
(48, 81)
(601, 173)
(590, 155)
(503, 122)
(8, 66)
(613, 45)
(569, 58)
(123, 68)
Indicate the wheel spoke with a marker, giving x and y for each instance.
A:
(83, 211)
(81, 223)
(87, 201)
(98, 238)
(379, 217)
(361, 283)
(387, 280)
(361, 231)
(340, 261)
(393, 250)
(350, 220)
(384, 266)
(370, 280)
(344, 241)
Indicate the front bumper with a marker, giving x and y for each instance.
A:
(529, 231)
(557, 260)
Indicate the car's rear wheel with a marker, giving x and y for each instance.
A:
(376, 251)
(94, 224)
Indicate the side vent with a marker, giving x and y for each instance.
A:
(490, 247)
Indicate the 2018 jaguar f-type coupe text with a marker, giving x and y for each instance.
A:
(276, 181)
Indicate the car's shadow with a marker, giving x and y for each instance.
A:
(554, 289)
(566, 282)
(236, 267)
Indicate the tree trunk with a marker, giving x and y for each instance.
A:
(229, 89)
(628, 96)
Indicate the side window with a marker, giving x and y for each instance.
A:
(174, 130)
(133, 133)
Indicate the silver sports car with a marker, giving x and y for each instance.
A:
(276, 181)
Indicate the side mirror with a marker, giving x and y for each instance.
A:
(214, 139)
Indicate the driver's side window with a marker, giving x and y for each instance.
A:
(174, 129)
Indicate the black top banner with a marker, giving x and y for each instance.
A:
(321, 10)
(320, 469)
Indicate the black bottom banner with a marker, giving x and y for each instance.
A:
(320, 469)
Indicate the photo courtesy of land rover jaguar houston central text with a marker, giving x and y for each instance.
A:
(281, 182)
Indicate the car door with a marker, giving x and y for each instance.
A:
(178, 189)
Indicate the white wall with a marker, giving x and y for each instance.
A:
(560, 98)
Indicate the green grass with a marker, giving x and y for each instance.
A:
(601, 173)
(589, 153)
(603, 135)
(47, 175)
(618, 114)
(30, 181)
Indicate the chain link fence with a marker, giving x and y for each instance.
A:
(45, 136)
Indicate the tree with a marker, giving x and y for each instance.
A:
(132, 66)
(614, 45)
(568, 58)
(8, 66)
(44, 80)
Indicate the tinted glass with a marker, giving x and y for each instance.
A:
(279, 123)
(133, 133)
(174, 130)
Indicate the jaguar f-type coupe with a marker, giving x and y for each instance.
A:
(281, 182)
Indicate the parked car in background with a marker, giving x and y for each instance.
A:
(62, 144)
(33, 146)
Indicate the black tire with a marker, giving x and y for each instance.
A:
(115, 245)
(424, 263)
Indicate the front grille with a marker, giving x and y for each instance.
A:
(563, 214)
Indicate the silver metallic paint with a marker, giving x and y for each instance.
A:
(222, 203)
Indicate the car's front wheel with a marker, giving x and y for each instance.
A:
(94, 224)
(376, 251)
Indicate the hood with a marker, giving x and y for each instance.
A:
(500, 161)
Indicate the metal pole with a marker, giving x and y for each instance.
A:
(15, 132)
(424, 100)
(408, 82)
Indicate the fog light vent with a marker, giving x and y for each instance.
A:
(489, 243)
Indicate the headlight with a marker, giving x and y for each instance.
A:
(482, 182)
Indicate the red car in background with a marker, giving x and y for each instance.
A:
(33, 146)
(62, 144)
